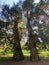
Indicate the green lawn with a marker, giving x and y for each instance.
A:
(9, 55)
(43, 54)
(26, 52)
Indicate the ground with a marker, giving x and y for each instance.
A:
(26, 62)
(6, 59)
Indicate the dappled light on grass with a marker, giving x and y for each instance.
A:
(44, 54)
(4, 57)
(26, 53)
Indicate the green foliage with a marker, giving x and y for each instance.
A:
(14, 14)
(16, 11)
(28, 4)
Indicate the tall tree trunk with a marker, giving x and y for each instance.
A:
(32, 41)
(18, 55)
(34, 52)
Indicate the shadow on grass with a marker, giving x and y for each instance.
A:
(6, 58)
(26, 58)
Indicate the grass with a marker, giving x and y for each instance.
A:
(5, 58)
(9, 55)
(26, 52)
(43, 54)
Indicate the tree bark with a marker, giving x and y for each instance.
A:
(34, 56)
(32, 41)
(18, 55)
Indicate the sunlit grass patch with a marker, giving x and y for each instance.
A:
(26, 52)
(1, 50)
(9, 55)
(44, 54)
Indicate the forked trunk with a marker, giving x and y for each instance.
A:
(34, 53)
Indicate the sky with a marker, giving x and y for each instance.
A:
(10, 2)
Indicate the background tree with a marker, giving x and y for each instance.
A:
(33, 13)
(13, 14)
(16, 12)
